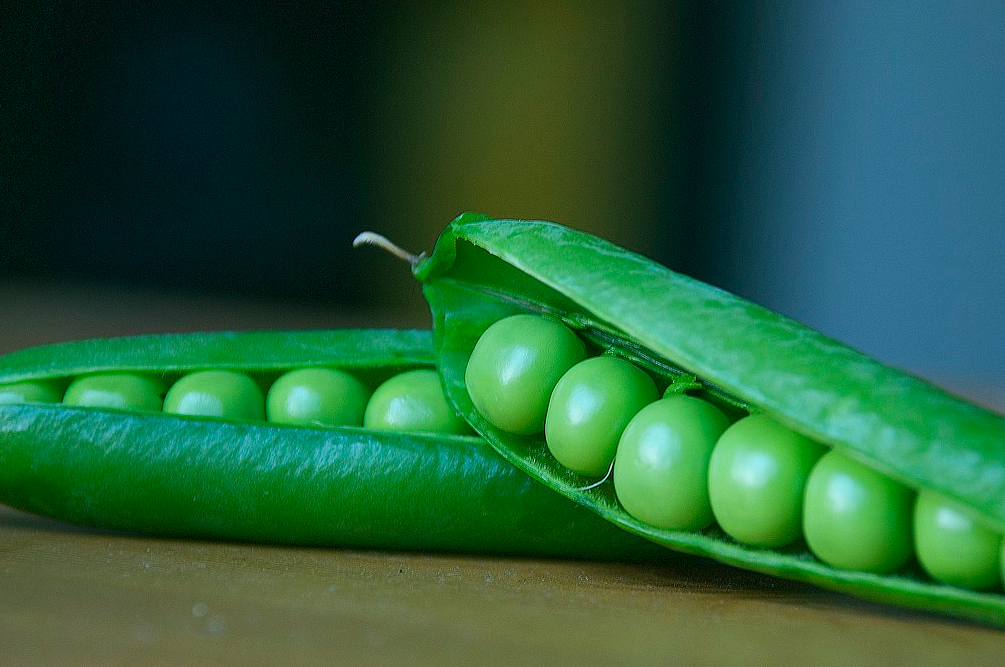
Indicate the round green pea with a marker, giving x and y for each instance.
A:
(226, 394)
(317, 396)
(413, 402)
(119, 391)
(856, 518)
(756, 478)
(661, 468)
(30, 392)
(590, 407)
(514, 367)
(952, 547)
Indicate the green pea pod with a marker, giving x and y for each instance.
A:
(742, 355)
(193, 477)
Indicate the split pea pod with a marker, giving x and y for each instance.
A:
(146, 471)
(704, 343)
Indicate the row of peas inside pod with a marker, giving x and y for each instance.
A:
(411, 401)
(678, 462)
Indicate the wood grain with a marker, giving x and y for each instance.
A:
(72, 596)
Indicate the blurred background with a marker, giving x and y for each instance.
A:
(841, 162)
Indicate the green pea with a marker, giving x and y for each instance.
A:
(856, 518)
(317, 396)
(514, 367)
(119, 391)
(756, 478)
(952, 547)
(30, 392)
(661, 468)
(413, 402)
(226, 394)
(590, 407)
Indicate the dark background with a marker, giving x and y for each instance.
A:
(840, 162)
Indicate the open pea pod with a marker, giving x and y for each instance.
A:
(184, 476)
(744, 356)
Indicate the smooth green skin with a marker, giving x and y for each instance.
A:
(117, 391)
(589, 409)
(224, 394)
(756, 478)
(413, 402)
(483, 270)
(323, 396)
(515, 366)
(661, 469)
(952, 547)
(855, 518)
(29, 392)
(258, 353)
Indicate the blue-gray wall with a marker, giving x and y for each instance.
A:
(862, 178)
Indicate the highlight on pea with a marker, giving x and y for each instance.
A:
(679, 463)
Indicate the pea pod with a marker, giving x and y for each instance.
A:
(168, 475)
(740, 355)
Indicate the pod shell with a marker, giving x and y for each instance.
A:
(192, 477)
(337, 487)
(485, 269)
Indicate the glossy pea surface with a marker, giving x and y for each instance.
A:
(322, 396)
(952, 547)
(590, 407)
(29, 392)
(856, 518)
(661, 469)
(756, 478)
(514, 367)
(413, 402)
(226, 394)
(118, 391)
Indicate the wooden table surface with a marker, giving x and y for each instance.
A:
(71, 596)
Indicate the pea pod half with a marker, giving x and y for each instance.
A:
(184, 476)
(739, 354)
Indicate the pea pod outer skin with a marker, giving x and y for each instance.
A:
(484, 269)
(177, 476)
(255, 352)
